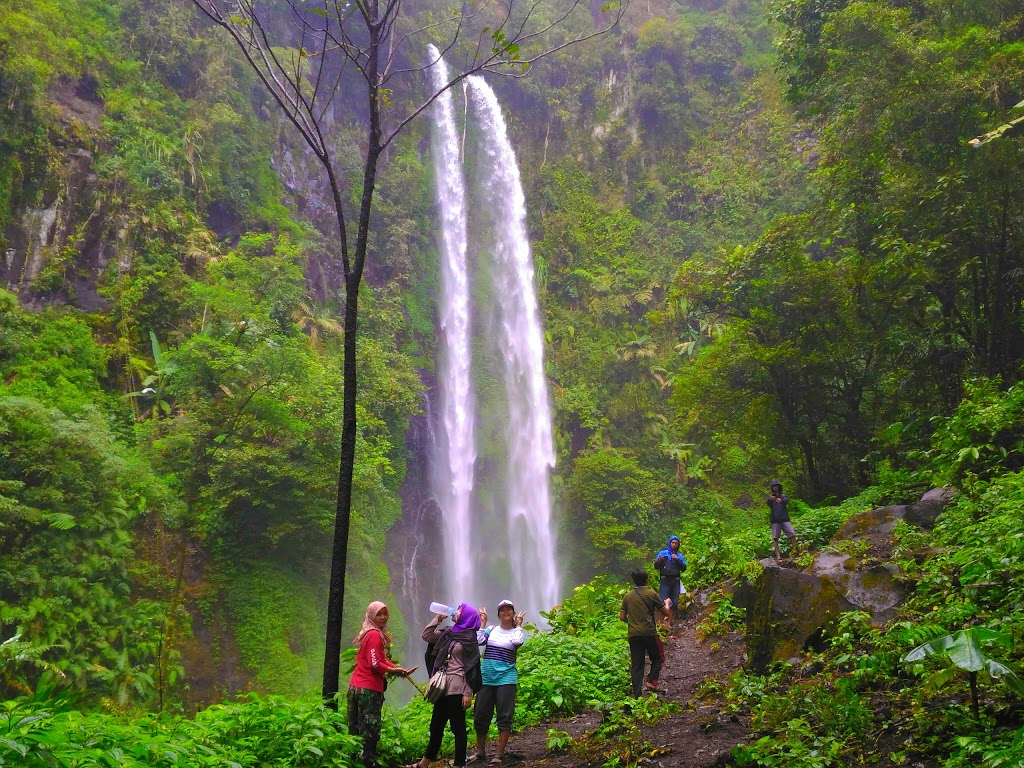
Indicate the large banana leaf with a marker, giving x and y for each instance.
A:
(964, 650)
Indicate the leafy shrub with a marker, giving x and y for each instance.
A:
(69, 497)
(589, 607)
(723, 619)
(983, 437)
(262, 731)
(561, 674)
(797, 746)
(996, 750)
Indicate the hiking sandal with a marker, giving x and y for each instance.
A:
(477, 757)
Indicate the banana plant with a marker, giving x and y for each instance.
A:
(155, 385)
(963, 651)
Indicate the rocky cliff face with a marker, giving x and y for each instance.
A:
(788, 608)
(61, 237)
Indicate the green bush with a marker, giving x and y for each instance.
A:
(261, 731)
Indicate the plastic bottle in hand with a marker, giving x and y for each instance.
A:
(447, 610)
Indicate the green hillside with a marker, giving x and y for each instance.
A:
(772, 240)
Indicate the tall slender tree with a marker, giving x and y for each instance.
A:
(308, 52)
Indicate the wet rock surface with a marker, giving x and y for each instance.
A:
(788, 608)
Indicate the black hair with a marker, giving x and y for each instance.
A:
(639, 577)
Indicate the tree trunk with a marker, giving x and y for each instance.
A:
(343, 508)
(353, 279)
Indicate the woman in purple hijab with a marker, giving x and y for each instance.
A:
(458, 653)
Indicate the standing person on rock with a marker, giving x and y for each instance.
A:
(779, 516)
(366, 687)
(498, 694)
(670, 564)
(640, 607)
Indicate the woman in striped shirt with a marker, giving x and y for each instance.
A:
(500, 677)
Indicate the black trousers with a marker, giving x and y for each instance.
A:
(448, 710)
(640, 648)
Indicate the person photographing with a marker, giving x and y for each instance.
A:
(779, 517)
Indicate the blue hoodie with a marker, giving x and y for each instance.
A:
(667, 565)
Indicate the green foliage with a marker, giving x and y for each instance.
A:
(263, 731)
(1000, 750)
(963, 650)
(278, 615)
(69, 497)
(981, 437)
(618, 739)
(798, 745)
(562, 674)
(613, 498)
(587, 610)
(558, 741)
(50, 358)
(723, 619)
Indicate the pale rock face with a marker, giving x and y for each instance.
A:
(39, 224)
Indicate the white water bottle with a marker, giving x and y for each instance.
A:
(447, 610)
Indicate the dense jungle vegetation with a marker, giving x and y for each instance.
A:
(766, 246)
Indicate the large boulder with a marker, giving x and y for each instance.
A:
(788, 608)
(784, 608)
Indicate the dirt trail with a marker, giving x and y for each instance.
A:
(697, 737)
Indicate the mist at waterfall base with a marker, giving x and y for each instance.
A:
(478, 524)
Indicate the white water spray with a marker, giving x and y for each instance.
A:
(531, 453)
(453, 471)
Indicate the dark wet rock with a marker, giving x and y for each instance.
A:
(785, 607)
(788, 609)
(876, 521)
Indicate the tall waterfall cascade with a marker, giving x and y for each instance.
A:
(452, 469)
(530, 445)
(490, 472)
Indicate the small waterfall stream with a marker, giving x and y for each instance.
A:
(452, 471)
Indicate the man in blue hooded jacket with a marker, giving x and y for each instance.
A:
(670, 564)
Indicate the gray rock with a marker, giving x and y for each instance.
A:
(925, 512)
(788, 608)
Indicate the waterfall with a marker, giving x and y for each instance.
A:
(497, 522)
(452, 475)
(530, 445)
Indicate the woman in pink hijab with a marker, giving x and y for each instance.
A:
(368, 682)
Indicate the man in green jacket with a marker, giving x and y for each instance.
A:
(640, 607)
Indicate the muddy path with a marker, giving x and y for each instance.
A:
(698, 736)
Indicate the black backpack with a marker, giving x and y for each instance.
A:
(430, 658)
(475, 677)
